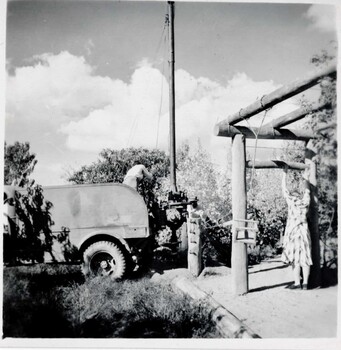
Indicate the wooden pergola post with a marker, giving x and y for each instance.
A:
(240, 282)
(194, 246)
(315, 272)
(184, 238)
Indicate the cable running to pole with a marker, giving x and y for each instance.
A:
(161, 98)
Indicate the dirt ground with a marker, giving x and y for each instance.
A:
(270, 309)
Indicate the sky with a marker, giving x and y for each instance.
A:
(86, 75)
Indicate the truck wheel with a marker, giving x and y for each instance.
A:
(104, 259)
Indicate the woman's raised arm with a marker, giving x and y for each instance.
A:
(284, 182)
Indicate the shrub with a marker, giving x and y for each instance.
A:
(133, 309)
(217, 244)
(29, 300)
(55, 301)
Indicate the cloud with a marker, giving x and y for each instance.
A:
(89, 47)
(323, 17)
(64, 94)
(59, 87)
(135, 120)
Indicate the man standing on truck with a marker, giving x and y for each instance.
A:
(135, 175)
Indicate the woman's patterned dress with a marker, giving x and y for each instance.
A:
(296, 241)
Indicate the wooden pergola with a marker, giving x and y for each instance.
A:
(272, 131)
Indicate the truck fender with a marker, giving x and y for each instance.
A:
(101, 236)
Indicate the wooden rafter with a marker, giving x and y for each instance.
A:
(327, 126)
(296, 115)
(279, 95)
(275, 164)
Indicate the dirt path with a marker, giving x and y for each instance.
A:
(270, 309)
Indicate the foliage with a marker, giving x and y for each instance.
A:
(271, 224)
(267, 206)
(54, 301)
(216, 244)
(33, 236)
(29, 299)
(113, 165)
(19, 163)
(133, 310)
(326, 158)
(197, 176)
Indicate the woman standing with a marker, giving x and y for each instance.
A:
(297, 242)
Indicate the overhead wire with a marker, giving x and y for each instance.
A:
(161, 92)
(132, 128)
(134, 123)
(256, 144)
(160, 40)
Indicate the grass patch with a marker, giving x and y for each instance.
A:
(55, 301)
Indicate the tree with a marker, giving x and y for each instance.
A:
(324, 124)
(19, 164)
(113, 165)
(197, 176)
(267, 206)
(33, 236)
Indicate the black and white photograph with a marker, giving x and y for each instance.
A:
(170, 174)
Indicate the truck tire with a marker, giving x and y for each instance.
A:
(104, 258)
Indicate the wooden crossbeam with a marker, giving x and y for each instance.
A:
(263, 133)
(275, 164)
(327, 126)
(296, 115)
(279, 95)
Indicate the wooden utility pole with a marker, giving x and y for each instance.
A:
(315, 272)
(240, 282)
(172, 145)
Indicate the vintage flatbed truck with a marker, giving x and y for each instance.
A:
(107, 223)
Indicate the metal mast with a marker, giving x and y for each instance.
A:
(172, 146)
